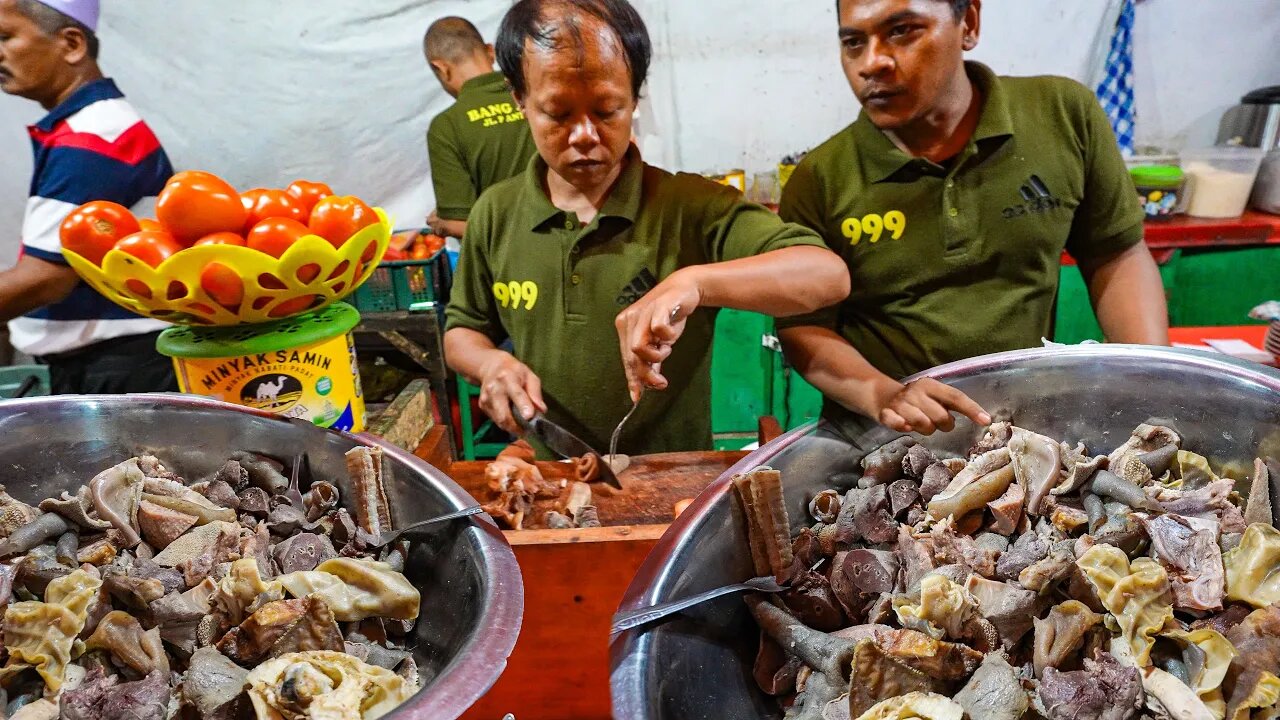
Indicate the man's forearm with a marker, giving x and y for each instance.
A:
(790, 281)
(466, 351)
(31, 284)
(1128, 297)
(833, 366)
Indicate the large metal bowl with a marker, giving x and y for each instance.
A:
(698, 667)
(472, 596)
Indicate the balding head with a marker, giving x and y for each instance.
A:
(453, 40)
(456, 52)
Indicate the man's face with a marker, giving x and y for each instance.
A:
(901, 56)
(579, 105)
(29, 59)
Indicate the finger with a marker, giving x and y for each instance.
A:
(518, 398)
(916, 418)
(893, 421)
(497, 406)
(622, 323)
(937, 414)
(652, 353)
(656, 379)
(533, 388)
(961, 403)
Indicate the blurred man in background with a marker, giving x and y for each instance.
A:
(483, 137)
(92, 145)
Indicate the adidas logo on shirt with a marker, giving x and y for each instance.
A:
(639, 285)
(1037, 199)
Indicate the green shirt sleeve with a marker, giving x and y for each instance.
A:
(734, 228)
(471, 301)
(1109, 219)
(802, 204)
(454, 192)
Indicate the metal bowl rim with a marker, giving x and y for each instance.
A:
(481, 661)
(653, 575)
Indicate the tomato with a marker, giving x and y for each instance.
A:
(419, 251)
(223, 284)
(337, 218)
(262, 204)
(308, 193)
(194, 204)
(291, 307)
(149, 246)
(149, 224)
(95, 227)
(394, 254)
(221, 238)
(274, 235)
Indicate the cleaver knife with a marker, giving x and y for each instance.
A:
(564, 443)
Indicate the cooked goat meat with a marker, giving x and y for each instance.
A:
(1037, 462)
(868, 509)
(994, 692)
(996, 437)
(951, 547)
(1010, 608)
(1103, 690)
(1193, 559)
(917, 460)
(1029, 549)
(102, 696)
(916, 557)
(936, 478)
(884, 465)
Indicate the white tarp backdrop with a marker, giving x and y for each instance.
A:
(263, 92)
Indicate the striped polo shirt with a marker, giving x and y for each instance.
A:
(93, 146)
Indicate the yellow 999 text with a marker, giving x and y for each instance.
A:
(874, 226)
(516, 295)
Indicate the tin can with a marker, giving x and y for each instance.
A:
(301, 367)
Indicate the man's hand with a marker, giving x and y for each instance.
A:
(446, 228)
(649, 328)
(923, 406)
(33, 283)
(507, 382)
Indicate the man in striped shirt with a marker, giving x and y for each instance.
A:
(92, 145)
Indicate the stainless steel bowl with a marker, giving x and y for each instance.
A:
(472, 595)
(699, 666)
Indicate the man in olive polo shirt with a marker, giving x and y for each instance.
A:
(483, 137)
(592, 251)
(951, 199)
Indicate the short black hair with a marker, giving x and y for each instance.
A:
(528, 20)
(959, 7)
(52, 22)
(452, 39)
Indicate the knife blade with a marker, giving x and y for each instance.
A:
(564, 443)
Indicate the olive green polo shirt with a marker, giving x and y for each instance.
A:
(949, 262)
(480, 140)
(533, 272)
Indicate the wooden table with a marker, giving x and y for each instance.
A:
(574, 581)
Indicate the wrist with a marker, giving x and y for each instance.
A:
(876, 393)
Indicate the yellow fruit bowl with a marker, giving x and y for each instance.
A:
(274, 288)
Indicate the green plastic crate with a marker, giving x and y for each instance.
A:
(406, 285)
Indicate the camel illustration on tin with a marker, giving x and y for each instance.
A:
(269, 391)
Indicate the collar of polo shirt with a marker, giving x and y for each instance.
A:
(882, 158)
(623, 201)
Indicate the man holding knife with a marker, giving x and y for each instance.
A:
(591, 250)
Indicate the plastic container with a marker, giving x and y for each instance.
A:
(1220, 180)
(1159, 189)
(274, 288)
(302, 367)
